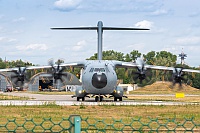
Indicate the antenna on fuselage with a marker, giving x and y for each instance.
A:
(99, 29)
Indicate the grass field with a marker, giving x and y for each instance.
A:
(7, 97)
(101, 111)
(189, 99)
(115, 115)
(166, 88)
(181, 114)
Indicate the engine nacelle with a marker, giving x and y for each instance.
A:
(118, 92)
(80, 92)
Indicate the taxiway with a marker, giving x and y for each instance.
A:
(63, 100)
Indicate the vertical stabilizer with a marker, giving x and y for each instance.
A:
(99, 29)
(100, 39)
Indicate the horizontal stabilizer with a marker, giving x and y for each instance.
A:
(95, 28)
(76, 28)
(118, 28)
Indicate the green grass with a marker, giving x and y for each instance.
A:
(7, 97)
(189, 99)
(166, 88)
(101, 111)
(99, 115)
(151, 92)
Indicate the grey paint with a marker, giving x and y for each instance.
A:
(99, 45)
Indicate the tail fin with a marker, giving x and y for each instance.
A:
(99, 29)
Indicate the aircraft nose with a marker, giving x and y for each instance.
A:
(99, 81)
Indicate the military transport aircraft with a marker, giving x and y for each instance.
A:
(99, 78)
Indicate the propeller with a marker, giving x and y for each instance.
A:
(178, 76)
(19, 75)
(58, 72)
(140, 73)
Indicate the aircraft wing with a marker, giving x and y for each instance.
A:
(27, 68)
(74, 64)
(133, 65)
(78, 64)
(191, 70)
(171, 68)
(7, 70)
(37, 67)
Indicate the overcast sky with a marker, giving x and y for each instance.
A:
(25, 28)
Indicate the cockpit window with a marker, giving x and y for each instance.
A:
(97, 70)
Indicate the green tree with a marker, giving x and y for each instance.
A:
(132, 56)
(162, 58)
(109, 55)
(195, 81)
(2, 65)
(165, 54)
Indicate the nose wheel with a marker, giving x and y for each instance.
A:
(98, 98)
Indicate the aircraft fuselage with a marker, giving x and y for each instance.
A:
(99, 77)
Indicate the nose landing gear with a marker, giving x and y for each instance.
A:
(98, 98)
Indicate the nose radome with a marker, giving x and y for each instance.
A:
(99, 81)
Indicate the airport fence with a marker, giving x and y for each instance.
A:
(77, 124)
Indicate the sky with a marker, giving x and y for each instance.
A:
(25, 28)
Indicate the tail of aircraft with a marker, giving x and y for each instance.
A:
(99, 29)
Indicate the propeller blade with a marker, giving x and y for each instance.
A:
(14, 76)
(57, 71)
(178, 76)
(64, 74)
(19, 76)
(180, 84)
(140, 73)
(15, 82)
(138, 69)
(143, 66)
(22, 82)
(20, 70)
(62, 69)
(176, 70)
(24, 70)
(136, 77)
(55, 81)
(61, 80)
(141, 81)
(58, 67)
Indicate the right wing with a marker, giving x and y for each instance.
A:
(76, 64)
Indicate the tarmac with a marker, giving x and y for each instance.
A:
(67, 100)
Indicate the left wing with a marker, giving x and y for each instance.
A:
(133, 65)
(171, 68)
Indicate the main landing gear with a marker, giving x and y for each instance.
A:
(120, 98)
(78, 98)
